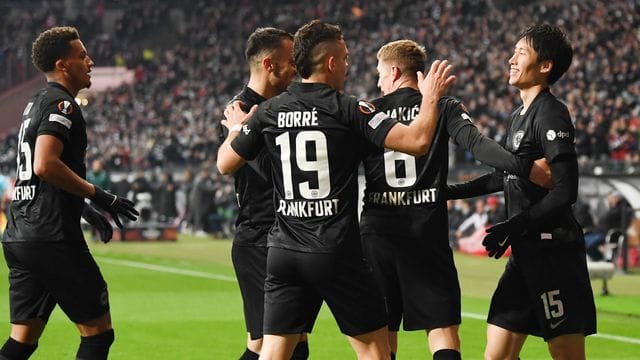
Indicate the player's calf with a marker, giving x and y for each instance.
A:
(13, 350)
(95, 347)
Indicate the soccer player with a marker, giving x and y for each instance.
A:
(404, 220)
(313, 135)
(48, 259)
(269, 52)
(545, 289)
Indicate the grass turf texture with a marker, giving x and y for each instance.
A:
(180, 301)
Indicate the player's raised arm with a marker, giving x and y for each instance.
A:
(228, 159)
(416, 138)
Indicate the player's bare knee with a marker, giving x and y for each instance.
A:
(28, 331)
(96, 326)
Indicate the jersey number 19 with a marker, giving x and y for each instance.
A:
(320, 165)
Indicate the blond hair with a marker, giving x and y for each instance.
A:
(408, 55)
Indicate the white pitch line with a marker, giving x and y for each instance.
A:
(206, 275)
(166, 269)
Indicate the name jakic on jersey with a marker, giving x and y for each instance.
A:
(403, 113)
(402, 198)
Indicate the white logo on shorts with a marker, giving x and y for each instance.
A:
(556, 324)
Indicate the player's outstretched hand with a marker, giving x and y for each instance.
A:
(99, 222)
(235, 117)
(437, 81)
(115, 205)
(500, 235)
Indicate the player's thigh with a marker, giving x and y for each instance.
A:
(567, 347)
(511, 305)
(380, 251)
(250, 264)
(560, 290)
(428, 282)
(291, 304)
(73, 279)
(353, 296)
(371, 345)
(503, 344)
(29, 299)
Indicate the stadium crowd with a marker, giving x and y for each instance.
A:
(168, 118)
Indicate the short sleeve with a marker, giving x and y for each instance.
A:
(250, 141)
(555, 131)
(369, 122)
(57, 119)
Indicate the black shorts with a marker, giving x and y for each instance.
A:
(42, 275)
(298, 282)
(414, 267)
(545, 295)
(250, 264)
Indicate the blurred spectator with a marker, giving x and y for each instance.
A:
(202, 201)
(618, 216)
(165, 192)
(582, 213)
(98, 176)
(475, 222)
(496, 211)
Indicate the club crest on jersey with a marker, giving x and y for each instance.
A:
(65, 107)
(366, 107)
(517, 139)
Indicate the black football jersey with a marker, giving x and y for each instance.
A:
(40, 211)
(313, 135)
(545, 129)
(254, 189)
(403, 183)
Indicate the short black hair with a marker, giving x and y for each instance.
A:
(265, 39)
(306, 39)
(550, 43)
(52, 45)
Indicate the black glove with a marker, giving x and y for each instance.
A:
(500, 235)
(115, 205)
(99, 222)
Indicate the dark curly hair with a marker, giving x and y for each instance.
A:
(306, 39)
(52, 45)
(550, 43)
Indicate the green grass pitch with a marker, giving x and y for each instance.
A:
(180, 301)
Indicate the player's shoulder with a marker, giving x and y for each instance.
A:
(54, 99)
(549, 106)
(248, 97)
(450, 105)
(406, 96)
(448, 101)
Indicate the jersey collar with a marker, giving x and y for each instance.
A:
(59, 86)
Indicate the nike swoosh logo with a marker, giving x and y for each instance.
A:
(501, 243)
(555, 325)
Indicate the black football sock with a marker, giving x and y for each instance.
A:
(301, 352)
(249, 355)
(13, 350)
(393, 356)
(95, 347)
(447, 354)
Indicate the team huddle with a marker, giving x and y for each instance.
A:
(294, 149)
